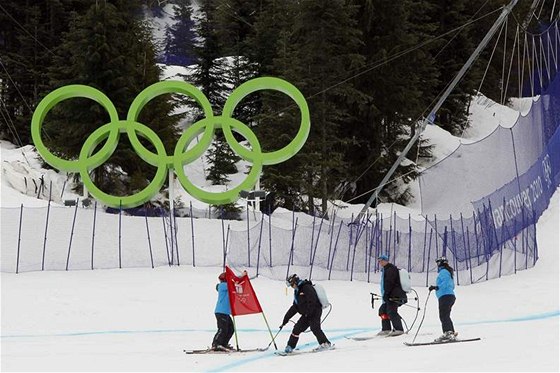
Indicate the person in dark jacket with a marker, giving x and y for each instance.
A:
(307, 304)
(223, 317)
(446, 299)
(393, 295)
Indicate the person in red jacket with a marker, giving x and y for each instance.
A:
(307, 304)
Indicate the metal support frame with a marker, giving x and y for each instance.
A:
(430, 117)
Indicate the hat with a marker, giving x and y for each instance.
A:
(222, 277)
(383, 257)
(292, 280)
(441, 261)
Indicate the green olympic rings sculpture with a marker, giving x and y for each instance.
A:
(110, 133)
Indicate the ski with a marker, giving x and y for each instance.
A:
(367, 338)
(442, 343)
(300, 352)
(224, 352)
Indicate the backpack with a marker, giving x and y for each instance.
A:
(322, 295)
(404, 278)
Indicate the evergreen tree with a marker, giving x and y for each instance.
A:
(396, 87)
(210, 75)
(28, 36)
(180, 36)
(312, 52)
(108, 48)
(454, 50)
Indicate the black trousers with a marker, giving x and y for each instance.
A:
(392, 311)
(385, 321)
(225, 330)
(312, 321)
(446, 302)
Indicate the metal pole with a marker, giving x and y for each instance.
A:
(46, 227)
(430, 117)
(93, 231)
(19, 237)
(72, 234)
(172, 214)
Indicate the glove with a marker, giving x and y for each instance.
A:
(386, 298)
(432, 287)
(281, 326)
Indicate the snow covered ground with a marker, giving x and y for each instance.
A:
(142, 319)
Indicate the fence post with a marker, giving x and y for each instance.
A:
(312, 239)
(331, 226)
(46, 228)
(192, 236)
(316, 243)
(71, 234)
(248, 239)
(409, 243)
(350, 233)
(429, 250)
(165, 236)
(291, 257)
(225, 245)
(270, 236)
(176, 241)
(335, 245)
(223, 237)
(259, 245)
(19, 237)
(93, 231)
(120, 225)
(149, 241)
(424, 249)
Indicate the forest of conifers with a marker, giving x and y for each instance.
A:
(369, 70)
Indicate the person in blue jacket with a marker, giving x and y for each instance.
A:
(223, 317)
(446, 298)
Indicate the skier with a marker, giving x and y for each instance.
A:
(223, 317)
(446, 299)
(307, 304)
(393, 297)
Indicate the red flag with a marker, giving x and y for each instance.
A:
(242, 297)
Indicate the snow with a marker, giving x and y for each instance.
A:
(141, 319)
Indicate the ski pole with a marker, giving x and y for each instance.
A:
(273, 338)
(423, 315)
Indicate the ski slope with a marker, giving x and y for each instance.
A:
(142, 319)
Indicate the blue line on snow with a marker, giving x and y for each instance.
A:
(350, 330)
(251, 359)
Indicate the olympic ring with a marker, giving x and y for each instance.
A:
(110, 133)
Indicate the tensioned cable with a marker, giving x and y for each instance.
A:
(502, 94)
(459, 31)
(385, 61)
(397, 55)
(15, 86)
(511, 60)
(534, 33)
(23, 28)
(9, 121)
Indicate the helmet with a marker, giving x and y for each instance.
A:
(383, 257)
(222, 277)
(292, 280)
(441, 261)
